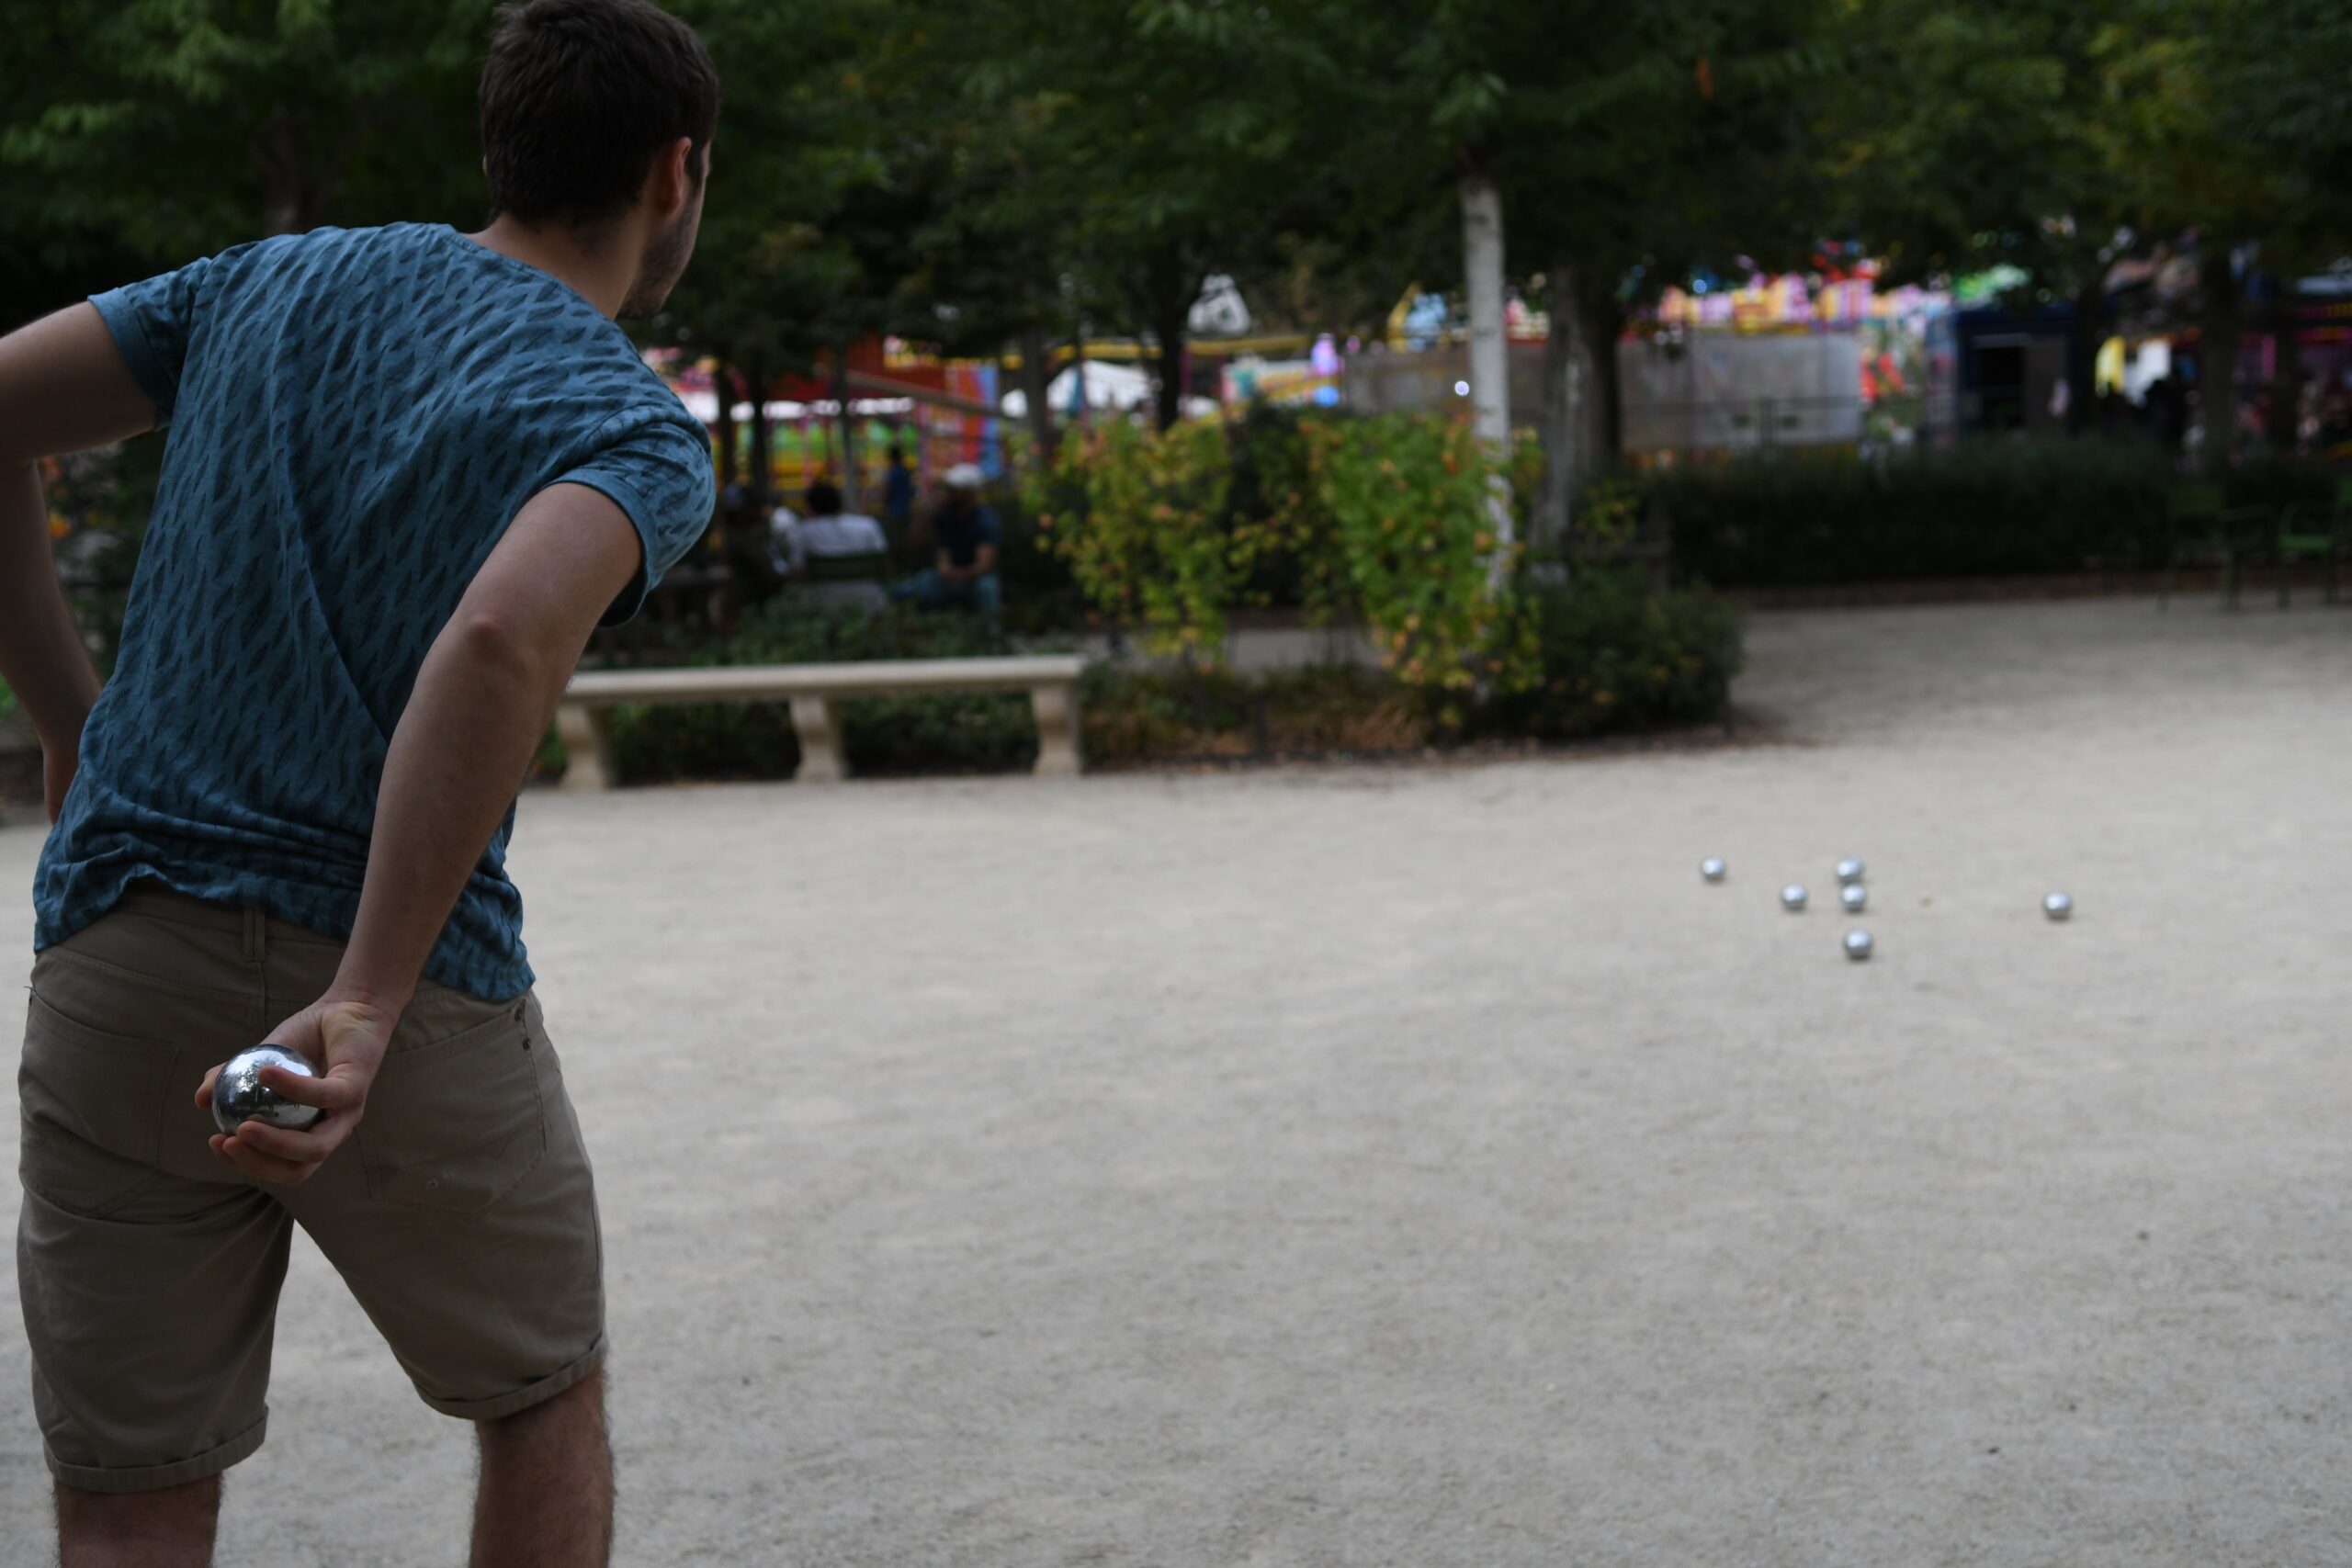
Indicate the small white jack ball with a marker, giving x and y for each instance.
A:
(2057, 905)
(1854, 896)
(1857, 945)
(1792, 898)
(1712, 869)
(1849, 871)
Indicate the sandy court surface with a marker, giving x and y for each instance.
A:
(1420, 1166)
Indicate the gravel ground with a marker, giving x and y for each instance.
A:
(1420, 1166)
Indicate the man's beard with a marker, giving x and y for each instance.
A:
(665, 260)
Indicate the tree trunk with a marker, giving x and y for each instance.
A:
(2287, 390)
(722, 381)
(763, 475)
(287, 201)
(1482, 267)
(2084, 337)
(1561, 426)
(1603, 325)
(1171, 311)
(2217, 370)
(1036, 378)
(847, 427)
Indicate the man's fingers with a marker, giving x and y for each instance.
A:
(241, 1152)
(332, 1092)
(308, 1147)
(204, 1090)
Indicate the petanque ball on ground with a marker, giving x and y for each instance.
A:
(1857, 945)
(2057, 905)
(1849, 871)
(1853, 896)
(1712, 869)
(239, 1095)
(1792, 898)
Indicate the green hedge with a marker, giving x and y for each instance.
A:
(1613, 660)
(1982, 509)
(881, 735)
(1617, 660)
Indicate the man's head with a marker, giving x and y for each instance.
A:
(597, 115)
(823, 499)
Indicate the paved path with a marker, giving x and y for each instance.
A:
(1419, 1167)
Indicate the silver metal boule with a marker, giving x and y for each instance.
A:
(239, 1095)
(1857, 945)
(1792, 898)
(1712, 869)
(1849, 871)
(2057, 905)
(1853, 896)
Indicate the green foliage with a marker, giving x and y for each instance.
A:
(1407, 495)
(1612, 661)
(1382, 521)
(1615, 659)
(1142, 521)
(882, 735)
(1131, 715)
(1981, 509)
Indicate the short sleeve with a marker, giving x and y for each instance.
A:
(657, 470)
(985, 529)
(152, 322)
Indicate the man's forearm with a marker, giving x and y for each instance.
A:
(42, 656)
(458, 757)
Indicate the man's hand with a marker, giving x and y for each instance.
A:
(345, 1040)
(58, 765)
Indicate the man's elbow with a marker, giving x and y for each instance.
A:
(497, 648)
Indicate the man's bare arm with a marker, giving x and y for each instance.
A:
(63, 388)
(482, 702)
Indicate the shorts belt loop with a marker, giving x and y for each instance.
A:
(257, 937)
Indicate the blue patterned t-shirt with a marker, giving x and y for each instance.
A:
(355, 416)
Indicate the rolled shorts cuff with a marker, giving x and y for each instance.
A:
(156, 1477)
(523, 1398)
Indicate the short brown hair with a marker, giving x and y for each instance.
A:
(577, 98)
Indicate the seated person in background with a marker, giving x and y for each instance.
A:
(965, 534)
(833, 556)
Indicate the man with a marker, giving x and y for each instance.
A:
(965, 535)
(409, 471)
(837, 557)
(897, 491)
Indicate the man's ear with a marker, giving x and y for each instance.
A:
(669, 187)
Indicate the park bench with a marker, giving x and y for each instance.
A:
(813, 690)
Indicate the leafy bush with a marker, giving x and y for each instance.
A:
(1142, 519)
(1613, 660)
(982, 733)
(1980, 509)
(1131, 715)
(1616, 658)
(1383, 520)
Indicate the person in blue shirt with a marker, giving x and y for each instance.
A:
(965, 540)
(409, 471)
(898, 494)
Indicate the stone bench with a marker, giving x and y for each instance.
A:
(1051, 680)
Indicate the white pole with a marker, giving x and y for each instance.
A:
(1482, 266)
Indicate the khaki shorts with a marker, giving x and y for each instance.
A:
(461, 1212)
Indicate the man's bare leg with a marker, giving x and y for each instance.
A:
(546, 1485)
(170, 1528)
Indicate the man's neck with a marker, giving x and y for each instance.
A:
(602, 275)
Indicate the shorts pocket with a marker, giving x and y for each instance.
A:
(455, 1123)
(93, 1111)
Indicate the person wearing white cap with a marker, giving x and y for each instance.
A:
(965, 536)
